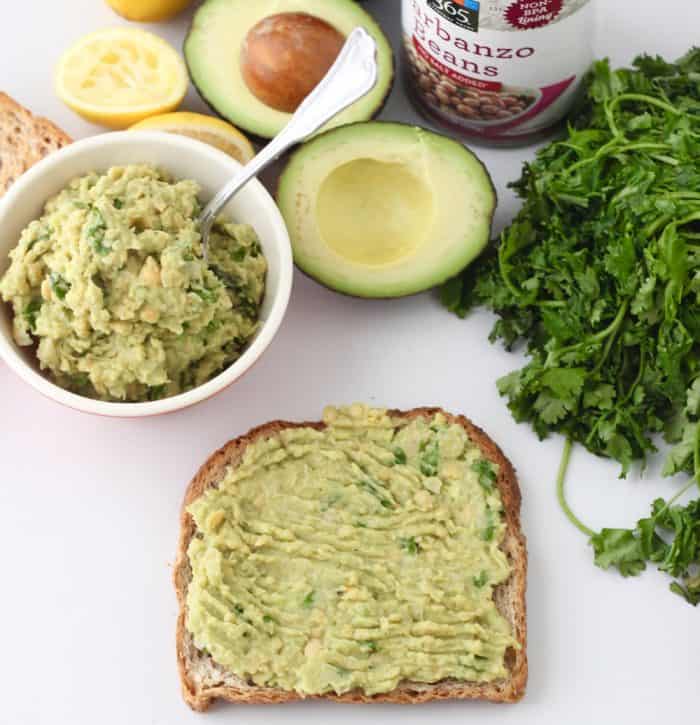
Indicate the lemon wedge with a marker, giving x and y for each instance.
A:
(213, 131)
(148, 11)
(118, 76)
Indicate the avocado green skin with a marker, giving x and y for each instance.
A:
(254, 136)
(300, 149)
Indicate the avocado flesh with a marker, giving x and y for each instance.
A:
(385, 209)
(213, 50)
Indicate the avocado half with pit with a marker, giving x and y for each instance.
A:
(385, 209)
(251, 59)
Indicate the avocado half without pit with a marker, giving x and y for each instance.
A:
(254, 61)
(385, 209)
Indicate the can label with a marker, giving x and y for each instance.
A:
(497, 68)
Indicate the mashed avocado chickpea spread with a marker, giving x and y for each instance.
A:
(111, 284)
(353, 557)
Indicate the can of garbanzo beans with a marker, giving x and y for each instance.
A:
(502, 71)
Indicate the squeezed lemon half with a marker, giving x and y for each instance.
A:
(148, 11)
(213, 131)
(118, 76)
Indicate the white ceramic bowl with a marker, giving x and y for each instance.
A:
(186, 159)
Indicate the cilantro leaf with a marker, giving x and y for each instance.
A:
(410, 545)
(430, 457)
(31, 311)
(670, 538)
(490, 529)
(486, 472)
(619, 548)
(59, 285)
(399, 456)
(95, 230)
(481, 579)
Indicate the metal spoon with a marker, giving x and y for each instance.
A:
(352, 76)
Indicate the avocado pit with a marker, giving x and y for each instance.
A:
(286, 55)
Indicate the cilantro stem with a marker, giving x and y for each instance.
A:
(638, 379)
(608, 345)
(682, 195)
(602, 151)
(644, 146)
(654, 227)
(668, 221)
(667, 505)
(505, 275)
(561, 477)
(694, 217)
(611, 329)
(696, 456)
(552, 303)
(676, 496)
(642, 98)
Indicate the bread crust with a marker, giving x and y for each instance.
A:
(24, 140)
(509, 596)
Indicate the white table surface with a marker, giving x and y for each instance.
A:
(90, 506)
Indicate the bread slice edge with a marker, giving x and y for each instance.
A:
(509, 596)
(25, 139)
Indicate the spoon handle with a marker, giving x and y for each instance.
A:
(351, 77)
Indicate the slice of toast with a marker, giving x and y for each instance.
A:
(24, 140)
(203, 680)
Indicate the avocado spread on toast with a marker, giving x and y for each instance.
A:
(355, 556)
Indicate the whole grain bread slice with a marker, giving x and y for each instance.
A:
(203, 680)
(24, 140)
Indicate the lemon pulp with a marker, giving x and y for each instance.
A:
(121, 75)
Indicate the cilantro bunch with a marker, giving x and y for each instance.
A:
(599, 277)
